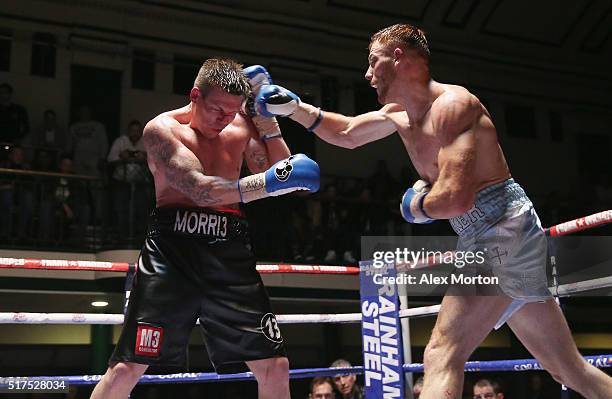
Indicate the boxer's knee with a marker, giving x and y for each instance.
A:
(278, 369)
(273, 371)
(124, 374)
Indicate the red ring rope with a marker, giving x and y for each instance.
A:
(572, 226)
(58, 264)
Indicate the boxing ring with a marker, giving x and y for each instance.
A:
(394, 317)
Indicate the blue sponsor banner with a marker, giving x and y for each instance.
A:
(383, 355)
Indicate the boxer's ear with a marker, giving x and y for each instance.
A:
(194, 94)
(397, 54)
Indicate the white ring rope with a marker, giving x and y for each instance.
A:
(581, 286)
(96, 318)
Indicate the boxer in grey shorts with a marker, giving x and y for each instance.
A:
(504, 224)
(452, 143)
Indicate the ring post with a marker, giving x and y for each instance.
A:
(383, 355)
(552, 259)
(405, 336)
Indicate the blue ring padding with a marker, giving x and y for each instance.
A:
(600, 361)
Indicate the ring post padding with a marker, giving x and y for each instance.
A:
(381, 334)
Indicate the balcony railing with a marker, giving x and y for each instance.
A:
(73, 212)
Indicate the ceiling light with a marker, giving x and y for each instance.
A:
(99, 304)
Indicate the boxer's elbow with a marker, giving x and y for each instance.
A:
(339, 131)
(448, 203)
(215, 191)
(460, 201)
(347, 140)
(205, 190)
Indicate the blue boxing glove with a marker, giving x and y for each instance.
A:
(257, 77)
(412, 203)
(274, 100)
(298, 172)
(268, 128)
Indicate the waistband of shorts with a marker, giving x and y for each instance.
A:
(198, 222)
(489, 207)
(500, 195)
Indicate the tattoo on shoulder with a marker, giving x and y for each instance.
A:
(158, 147)
(183, 172)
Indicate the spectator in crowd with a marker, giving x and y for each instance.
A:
(127, 159)
(330, 217)
(381, 183)
(89, 147)
(321, 388)
(536, 388)
(374, 214)
(385, 192)
(44, 160)
(50, 136)
(417, 388)
(487, 389)
(128, 155)
(17, 195)
(14, 123)
(16, 159)
(336, 224)
(89, 144)
(301, 232)
(346, 384)
(348, 190)
(366, 214)
(62, 204)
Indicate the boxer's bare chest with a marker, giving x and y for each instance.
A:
(422, 146)
(220, 156)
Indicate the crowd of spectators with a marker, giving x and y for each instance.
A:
(341, 386)
(108, 193)
(488, 388)
(64, 182)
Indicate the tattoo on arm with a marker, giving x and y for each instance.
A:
(259, 158)
(200, 187)
(184, 171)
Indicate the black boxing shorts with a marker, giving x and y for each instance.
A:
(197, 264)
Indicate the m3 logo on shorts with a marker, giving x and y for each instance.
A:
(148, 340)
(283, 170)
(269, 328)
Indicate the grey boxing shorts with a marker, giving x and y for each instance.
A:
(504, 224)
